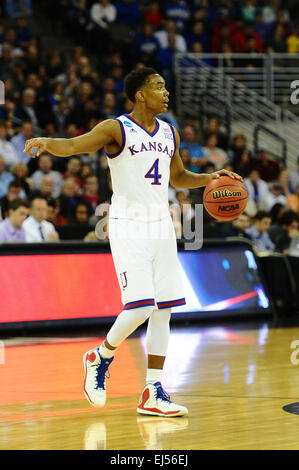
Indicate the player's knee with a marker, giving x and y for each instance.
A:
(142, 313)
(161, 316)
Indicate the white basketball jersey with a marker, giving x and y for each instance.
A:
(140, 171)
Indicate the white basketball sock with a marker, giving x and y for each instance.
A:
(105, 352)
(153, 375)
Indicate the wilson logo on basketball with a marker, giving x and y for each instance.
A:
(230, 208)
(225, 193)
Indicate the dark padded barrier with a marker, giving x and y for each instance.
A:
(279, 273)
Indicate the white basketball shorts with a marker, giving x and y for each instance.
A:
(146, 263)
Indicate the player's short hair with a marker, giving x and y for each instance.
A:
(136, 79)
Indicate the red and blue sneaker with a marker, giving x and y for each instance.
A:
(95, 369)
(155, 401)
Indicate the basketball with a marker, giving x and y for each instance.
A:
(225, 198)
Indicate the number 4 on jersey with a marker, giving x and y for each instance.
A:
(153, 172)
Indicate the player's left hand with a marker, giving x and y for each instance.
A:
(231, 174)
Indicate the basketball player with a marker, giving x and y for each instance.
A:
(143, 156)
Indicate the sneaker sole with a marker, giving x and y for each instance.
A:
(84, 390)
(156, 413)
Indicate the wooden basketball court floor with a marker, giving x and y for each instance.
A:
(234, 381)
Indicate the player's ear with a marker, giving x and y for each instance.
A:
(139, 96)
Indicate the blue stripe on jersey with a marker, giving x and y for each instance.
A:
(113, 155)
(137, 123)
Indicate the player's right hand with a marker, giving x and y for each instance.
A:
(38, 142)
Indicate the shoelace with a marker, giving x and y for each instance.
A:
(101, 373)
(160, 393)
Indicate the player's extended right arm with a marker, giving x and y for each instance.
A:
(102, 134)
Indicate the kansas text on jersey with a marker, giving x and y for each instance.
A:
(140, 171)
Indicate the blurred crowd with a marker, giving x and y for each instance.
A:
(55, 93)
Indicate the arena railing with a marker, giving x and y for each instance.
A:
(200, 86)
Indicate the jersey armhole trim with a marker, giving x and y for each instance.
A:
(113, 155)
(174, 139)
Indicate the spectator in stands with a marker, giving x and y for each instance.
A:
(13, 192)
(294, 177)
(153, 15)
(61, 114)
(293, 41)
(79, 214)
(45, 165)
(198, 34)
(248, 10)
(53, 212)
(146, 46)
(256, 187)
(69, 196)
(162, 36)
(258, 232)
(276, 212)
(46, 188)
(252, 39)
(91, 191)
(7, 150)
(11, 229)
(187, 211)
(233, 36)
(54, 65)
(178, 11)
(166, 61)
(277, 40)
(18, 141)
(268, 168)
(28, 110)
(282, 233)
(223, 19)
(32, 59)
(243, 164)
(273, 196)
(261, 28)
(284, 22)
(37, 228)
(86, 170)
(293, 200)
(23, 33)
(196, 151)
(102, 15)
(213, 127)
(186, 159)
(109, 107)
(238, 145)
(214, 153)
(16, 7)
(238, 227)
(5, 178)
(73, 170)
(6, 59)
(128, 12)
(20, 173)
(270, 12)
